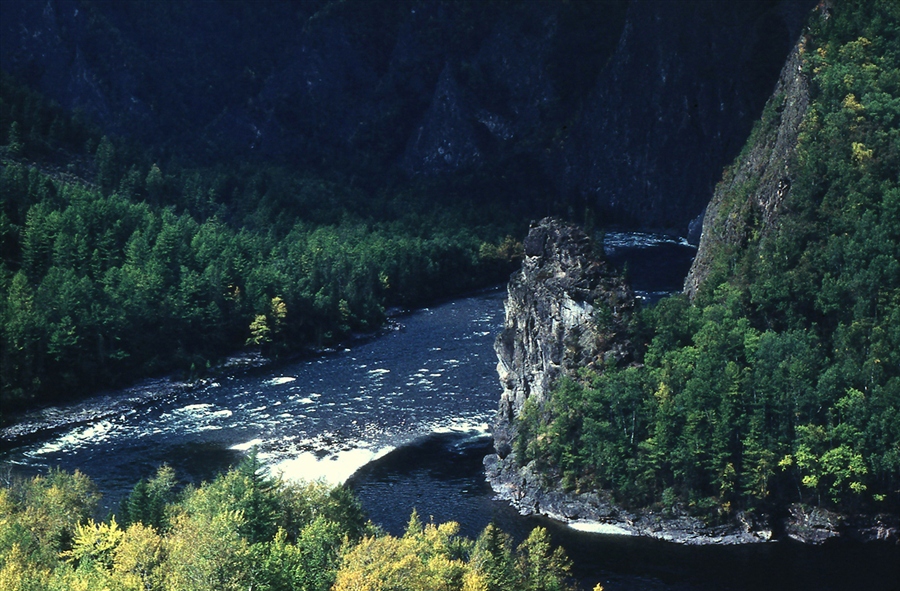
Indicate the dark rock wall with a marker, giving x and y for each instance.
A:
(566, 309)
(760, 179)
(675, 104)
(630, 107)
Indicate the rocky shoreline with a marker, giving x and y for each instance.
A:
(595, 512)
(551, 330)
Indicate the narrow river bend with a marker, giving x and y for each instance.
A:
(403, 419)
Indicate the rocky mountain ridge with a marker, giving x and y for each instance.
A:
(627, 107)
(566, 309)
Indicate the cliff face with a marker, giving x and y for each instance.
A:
(631, 107)
(749, 197)
(566, 309)
(782, 211)
(674, 105)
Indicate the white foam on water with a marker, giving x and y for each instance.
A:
(595, 527)
(194, 408)
(379, 371)
(280, 380)
(98, 431)
(247, 446)
(462, 425)
(614, 240)
(334, 468)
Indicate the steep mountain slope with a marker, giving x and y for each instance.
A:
(749, 198)
(767, 399)
(627, 107)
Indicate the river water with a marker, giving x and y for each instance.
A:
(403, 419)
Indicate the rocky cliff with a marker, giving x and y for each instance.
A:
(749, 197)
(566, 309)
(629, 107)
(751, 210)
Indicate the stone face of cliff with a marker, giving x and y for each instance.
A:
(630, 107)
(750, 195)
(661, 121)
(566, 309)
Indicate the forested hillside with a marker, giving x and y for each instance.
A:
(247, 531)
(115, 267)
(278, 176)
(779, 381)
(541, 93)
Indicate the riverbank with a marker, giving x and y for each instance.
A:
(43, 421)
(595, 512)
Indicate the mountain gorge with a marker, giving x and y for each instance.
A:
(763, 401)
(194, 188)
(377, 145)
(185, 180)
(627, 109)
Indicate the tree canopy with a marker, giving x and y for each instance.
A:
(780, 382)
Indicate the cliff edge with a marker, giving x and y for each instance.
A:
(566, 309)
(750, 194)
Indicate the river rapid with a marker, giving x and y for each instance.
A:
(404, 420)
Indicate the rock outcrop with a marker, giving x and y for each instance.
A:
(567, 309)
(631, 107)
(756, 186)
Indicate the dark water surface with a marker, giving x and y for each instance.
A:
(405, 417)
(442, 477)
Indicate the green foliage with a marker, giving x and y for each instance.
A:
(781, 382)
(132, 267)
(434, 557)
(493, 557)
(46, 511)
(247, 530)
(146, 504)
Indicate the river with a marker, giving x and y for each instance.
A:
(403, 419)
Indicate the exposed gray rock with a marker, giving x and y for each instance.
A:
(815, 525)
(530, 494)
(566, 309)
(762, 175)
(812, 525)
